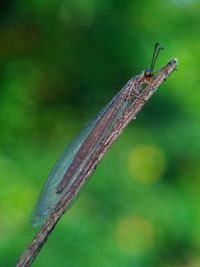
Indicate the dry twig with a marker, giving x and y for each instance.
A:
(39, 240)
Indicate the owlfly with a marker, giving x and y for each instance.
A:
(74, 167)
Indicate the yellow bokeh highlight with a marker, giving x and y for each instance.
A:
(135, 234)
(146, 163)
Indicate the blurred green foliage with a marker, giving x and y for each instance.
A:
(60, 63)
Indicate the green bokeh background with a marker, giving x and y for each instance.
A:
(60, 63)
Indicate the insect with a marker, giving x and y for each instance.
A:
(68, 174)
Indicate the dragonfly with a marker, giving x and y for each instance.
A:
(68, 174)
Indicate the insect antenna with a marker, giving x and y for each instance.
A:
(156, 52)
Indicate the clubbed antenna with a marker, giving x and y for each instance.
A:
(156, 52)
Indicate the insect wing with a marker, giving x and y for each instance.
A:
(48, 198)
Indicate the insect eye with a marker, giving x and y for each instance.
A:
(147, 73)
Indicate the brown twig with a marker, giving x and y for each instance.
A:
(35, 246)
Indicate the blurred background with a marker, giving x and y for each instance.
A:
(60, 63)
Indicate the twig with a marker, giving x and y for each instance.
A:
(35, 246)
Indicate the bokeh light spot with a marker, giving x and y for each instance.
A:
(135, 234)
(146, 163)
